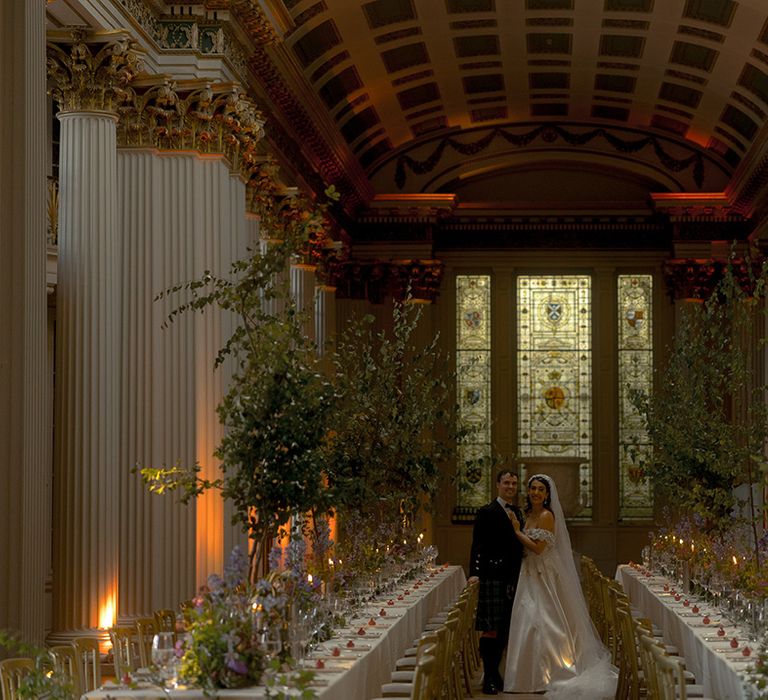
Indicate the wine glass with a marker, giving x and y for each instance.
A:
(164, 657)
(271, 643)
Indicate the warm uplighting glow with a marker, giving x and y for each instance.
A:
(309, 579)
(735, 561)
(330, 562)
(107, 614)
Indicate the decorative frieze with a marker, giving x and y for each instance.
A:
(191, 116)
(89, 70)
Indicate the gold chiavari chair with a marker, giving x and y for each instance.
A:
(125, 650)
(65, 663)
(88, 661)
(165, 621)
(146, 629)
(12, 672)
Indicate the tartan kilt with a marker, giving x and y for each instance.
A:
(494, 605)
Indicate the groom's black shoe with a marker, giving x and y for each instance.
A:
(490, 666)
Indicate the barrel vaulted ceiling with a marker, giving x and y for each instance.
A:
(511, 101)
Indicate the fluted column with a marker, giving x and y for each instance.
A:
(325, 320)
(25, 383)
(87, 460)
(303, 293)
(183, 213)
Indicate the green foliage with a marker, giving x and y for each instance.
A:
(42, 681)
(390, 428)
(275, 409)
(707, 415)
(295, 440)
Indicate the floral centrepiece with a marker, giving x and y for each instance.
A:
(222, 647)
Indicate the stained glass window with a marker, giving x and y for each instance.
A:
(473, 386)
(554, 371)
(635, 372)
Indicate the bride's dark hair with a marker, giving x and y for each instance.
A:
(547, 501)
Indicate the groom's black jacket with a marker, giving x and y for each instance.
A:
(496, 552)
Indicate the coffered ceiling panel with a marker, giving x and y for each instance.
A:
(392, 73)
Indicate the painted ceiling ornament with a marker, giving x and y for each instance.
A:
(89, 71)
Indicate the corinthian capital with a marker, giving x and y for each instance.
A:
(190, 115)
(87, 71)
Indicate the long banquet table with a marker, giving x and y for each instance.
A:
(357, 673)
(711, 659)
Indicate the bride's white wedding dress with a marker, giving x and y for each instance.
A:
(553, 645)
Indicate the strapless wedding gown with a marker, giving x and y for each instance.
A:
(553, 645)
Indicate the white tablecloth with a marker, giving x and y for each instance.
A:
(710, 658)
(362, 677)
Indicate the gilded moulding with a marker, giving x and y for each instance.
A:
(208, 118)
(84, 81)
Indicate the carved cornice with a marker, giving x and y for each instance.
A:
(89, 71)
(331, 168)
(207, 118)
(375, 279)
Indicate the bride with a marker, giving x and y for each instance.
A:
(553, 645)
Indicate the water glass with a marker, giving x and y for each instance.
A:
(164, 657)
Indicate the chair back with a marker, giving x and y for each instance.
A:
(629, 672)
(88, 662)
(647, 645)
(146, 629)
(425, 671)
(64, 658)
(12, 672)
(670, 675)
(125, 650)
(165, 621)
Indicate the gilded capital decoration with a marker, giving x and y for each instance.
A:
(194, 116)
(88, 71)
(696, 279)
(286, 214)
(418, 280)
(691, 279)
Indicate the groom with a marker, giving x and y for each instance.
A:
(495, 560)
